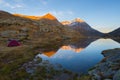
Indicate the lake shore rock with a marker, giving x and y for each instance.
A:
(109, 67)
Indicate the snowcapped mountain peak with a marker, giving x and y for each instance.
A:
(78, 20)
(66, 22)
(82, 27)
(75, 21)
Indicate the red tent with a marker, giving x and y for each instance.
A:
(13, 43)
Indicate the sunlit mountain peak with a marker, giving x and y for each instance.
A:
(66, 22)
(46, 16)
(78, 20)
(49, 16)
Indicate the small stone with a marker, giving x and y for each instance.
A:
(117, 76)
(96, 76)
(107, 79)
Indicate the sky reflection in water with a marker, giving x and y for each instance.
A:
(81, 56)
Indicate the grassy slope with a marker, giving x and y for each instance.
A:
(12, 58)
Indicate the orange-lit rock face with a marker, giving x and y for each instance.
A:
(33, 17)
(49, 54)
(73, 49)
(49, 16)
(26, 16)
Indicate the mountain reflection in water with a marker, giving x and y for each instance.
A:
(50, 53)
(75, 46)
(88, 54)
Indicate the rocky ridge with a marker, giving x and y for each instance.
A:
(82, 27)
(109, 67)
(115, 33)
(24, 27)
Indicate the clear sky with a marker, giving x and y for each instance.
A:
(103, 15)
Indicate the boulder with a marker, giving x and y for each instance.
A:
(109, 69)
(117, 75)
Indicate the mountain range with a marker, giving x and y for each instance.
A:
(86, 30)
(22, 27)
(47, 26)
(82, 27)
(115, 33)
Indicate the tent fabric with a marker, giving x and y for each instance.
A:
(13, 43)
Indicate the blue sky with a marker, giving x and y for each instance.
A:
(103, 15)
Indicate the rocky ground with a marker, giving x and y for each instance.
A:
(17, 63)
(109, 67)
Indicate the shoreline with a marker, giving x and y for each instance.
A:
(12, 59)
(109, 67)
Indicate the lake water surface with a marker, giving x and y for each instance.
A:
(80, 56)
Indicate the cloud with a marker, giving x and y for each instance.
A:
(12, 6)
(17, 6)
